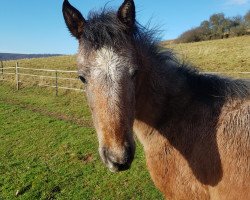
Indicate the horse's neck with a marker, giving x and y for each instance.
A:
(165, 101)
(160, 93)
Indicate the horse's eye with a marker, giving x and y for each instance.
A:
(134, 74)
(82, 79)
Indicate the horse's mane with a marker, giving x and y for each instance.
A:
(213, 86)
(105, 29)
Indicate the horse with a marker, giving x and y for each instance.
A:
(194, 127)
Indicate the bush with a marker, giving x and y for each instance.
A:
(192, 35)
(238, 31)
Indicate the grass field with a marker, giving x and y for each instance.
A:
(225, 55)
(48, 150)
(48, 145)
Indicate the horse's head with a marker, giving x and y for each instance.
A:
(107, 66)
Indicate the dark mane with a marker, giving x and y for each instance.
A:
(103, 28)
(213, 86)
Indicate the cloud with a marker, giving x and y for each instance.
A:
(237, 2)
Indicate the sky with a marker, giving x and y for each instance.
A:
(37, 26)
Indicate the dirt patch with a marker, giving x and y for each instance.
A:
(56, 115)
(87, 158)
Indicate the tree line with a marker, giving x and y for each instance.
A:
(217, 27)
(14, 56)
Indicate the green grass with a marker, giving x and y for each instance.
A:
(68, 105)
(45, 157)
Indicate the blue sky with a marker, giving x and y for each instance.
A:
(37, 26)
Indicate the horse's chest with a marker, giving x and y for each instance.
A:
(172, 175)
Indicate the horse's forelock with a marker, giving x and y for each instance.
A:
(103, 28)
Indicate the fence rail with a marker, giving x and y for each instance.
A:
(48, 70)
(19, 72)
(226, 72)
(41, 76)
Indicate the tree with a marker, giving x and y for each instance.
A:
(206, 30)
(247, 19)
(217, 22)
(237, 20)
(238, 26)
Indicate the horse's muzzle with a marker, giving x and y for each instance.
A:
(116, 162)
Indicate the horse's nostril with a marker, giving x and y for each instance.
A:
(115, 167)
(122, 167)
(117, 162)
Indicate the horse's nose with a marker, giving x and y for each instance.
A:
(117, 161)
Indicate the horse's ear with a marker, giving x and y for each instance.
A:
(126, 13)
(73, 19)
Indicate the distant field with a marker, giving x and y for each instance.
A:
(226, 55)
(48, 145)
(60, 62)
(231, 54)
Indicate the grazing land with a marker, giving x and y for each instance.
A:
(225, 55)
(49, 148)
(48, 145)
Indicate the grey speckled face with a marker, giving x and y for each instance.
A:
(110, 88)
(108, 72)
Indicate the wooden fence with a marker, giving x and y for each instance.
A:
(17, 72)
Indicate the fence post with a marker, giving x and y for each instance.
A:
(56, 83)
(17, 76)
(2, 68)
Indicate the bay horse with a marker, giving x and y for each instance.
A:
(194, 127)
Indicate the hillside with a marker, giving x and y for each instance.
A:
(57, 62)
(14, 56)
(225, 55)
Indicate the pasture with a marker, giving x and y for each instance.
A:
(49, 152)
(49, 147)
(230, 55)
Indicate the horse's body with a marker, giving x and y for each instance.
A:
(195, 129)
(197, 146)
